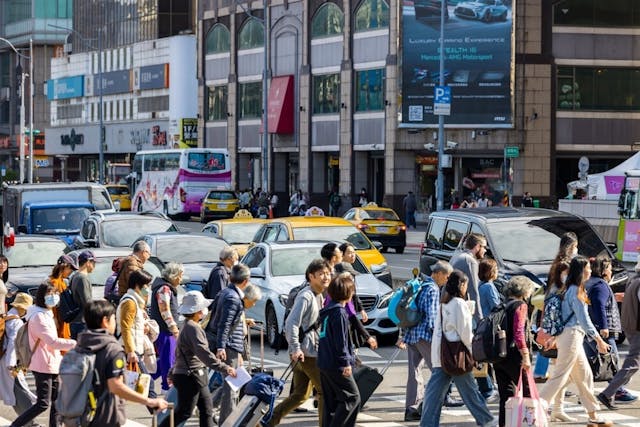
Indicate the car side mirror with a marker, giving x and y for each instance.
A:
(377, 244)
(612, 247)
(257, 272)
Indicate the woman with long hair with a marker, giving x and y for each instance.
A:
(572, 360)
(454, 321)
(4, 273)
(58, 278)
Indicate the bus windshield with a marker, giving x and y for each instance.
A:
(628, 203)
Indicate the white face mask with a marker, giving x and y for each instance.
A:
(51, 300)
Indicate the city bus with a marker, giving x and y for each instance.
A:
(629, 222)
(175, 181)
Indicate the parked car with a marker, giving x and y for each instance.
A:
(485, 10)
(31, 260)
(238, 232)
(279, 266)
(120, 196)
(219, 204)
(430, 8)
(523, 241)
(198, 252)
(381, 225)
(323, 228)
(120, 229)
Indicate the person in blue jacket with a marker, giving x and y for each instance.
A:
(336, 358)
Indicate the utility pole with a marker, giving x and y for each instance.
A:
(31, 95)
(265, 102)
(22, 127)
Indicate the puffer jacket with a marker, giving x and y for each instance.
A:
(46, 357)
(226, 327)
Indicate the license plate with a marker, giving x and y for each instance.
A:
(382, 229)
(222, 206)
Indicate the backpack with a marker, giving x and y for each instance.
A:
(76, 403)
(68, 308)
(402, 308)
(489, 343)
(552, 321)
(3, 319)
(23, 349)
(291, 298)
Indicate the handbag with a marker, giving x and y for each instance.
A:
(149, 356)
(136, 380)
(604, 366)
(541, 339)
(455, 357)
(523, 411)
(480, 370)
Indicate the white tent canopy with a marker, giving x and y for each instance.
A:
(608, 185)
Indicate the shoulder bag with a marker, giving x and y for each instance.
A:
(455, 357)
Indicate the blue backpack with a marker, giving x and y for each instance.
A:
(552, 321)
(402, 305)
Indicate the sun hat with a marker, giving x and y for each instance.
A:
(67, 259)
(193, 302)
(22, 300)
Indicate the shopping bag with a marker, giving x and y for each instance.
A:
(149, 356)
(523, 411)
(136, 380)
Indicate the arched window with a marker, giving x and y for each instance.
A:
(328, 21)
(251, 34)
(372, 14)
(218, 39)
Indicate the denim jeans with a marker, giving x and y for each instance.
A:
(467, 387)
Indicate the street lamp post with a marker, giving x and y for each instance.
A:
(441, 142)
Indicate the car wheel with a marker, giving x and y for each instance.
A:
(384, 249)
(273, 331)
(400, 249)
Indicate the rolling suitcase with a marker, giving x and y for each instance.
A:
(156, 413)
(368, 379)
(251, 409)
(257, 369)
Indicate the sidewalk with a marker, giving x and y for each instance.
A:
(415, 237)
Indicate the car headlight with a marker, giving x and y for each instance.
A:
(379, 268)
(283, 299)
(384, 301)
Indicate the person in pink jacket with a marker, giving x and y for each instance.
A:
(46, 357)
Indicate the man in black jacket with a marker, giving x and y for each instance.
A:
(227, 330)
(219, 276)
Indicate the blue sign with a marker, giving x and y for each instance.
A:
(112, 82)
(442, 100)
(153, 77)
(64, 88)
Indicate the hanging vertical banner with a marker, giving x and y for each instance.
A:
(478, 62)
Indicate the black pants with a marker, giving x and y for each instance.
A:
(46, 393)
(341, 399)
(192, 391)
(507, 376)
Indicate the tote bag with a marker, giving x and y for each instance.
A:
(523, 411)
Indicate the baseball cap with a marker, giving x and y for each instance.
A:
(86, 256)
(67, 259)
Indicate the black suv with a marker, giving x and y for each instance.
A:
(523, 241)
(120, 229)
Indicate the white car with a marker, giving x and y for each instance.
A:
(276, 267)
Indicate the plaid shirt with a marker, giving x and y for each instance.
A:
(427, 303)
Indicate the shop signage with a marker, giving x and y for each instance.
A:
(158, 137)
(64, 88)
(511, 152)
(112, 82)
(479, 60)
(188, 133)
(151, 77)
(442, 101)
(280, 105)
(72, 139)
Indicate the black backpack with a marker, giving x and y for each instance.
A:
(489, 342)
(68, 307)
(291, 298)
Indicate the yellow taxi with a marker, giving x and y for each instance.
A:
(237, 231)
(319, 227)
(379, 224)
(219, 204)
(120, 196)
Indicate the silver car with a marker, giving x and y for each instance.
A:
(279, 266)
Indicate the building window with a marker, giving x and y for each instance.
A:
(328, 21)
(250, 100)
(371, 15)
(598, 88)
(370, 90)
(16, 11)
(251, 34)
(61, 9)
(596, 13)
(218, 39)
(326, 94)
(217, 103)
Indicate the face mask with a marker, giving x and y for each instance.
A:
(51, 300)
(205, 311)
(145, 291)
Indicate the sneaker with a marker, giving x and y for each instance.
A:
(540, 380)
(623, 396)
(599, 423)
(411, 415)
(492, 397)
(606, 402)
(450, 402)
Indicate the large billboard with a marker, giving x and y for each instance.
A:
(478, 62)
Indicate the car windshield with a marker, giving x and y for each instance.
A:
(379, 214)
(292, 261)
(189, 249)
(338, 232)
(118, 191)
(103, 270)
(240, 233)
(537, 240)
(59, 220)
(34, 253)
(122, 234)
